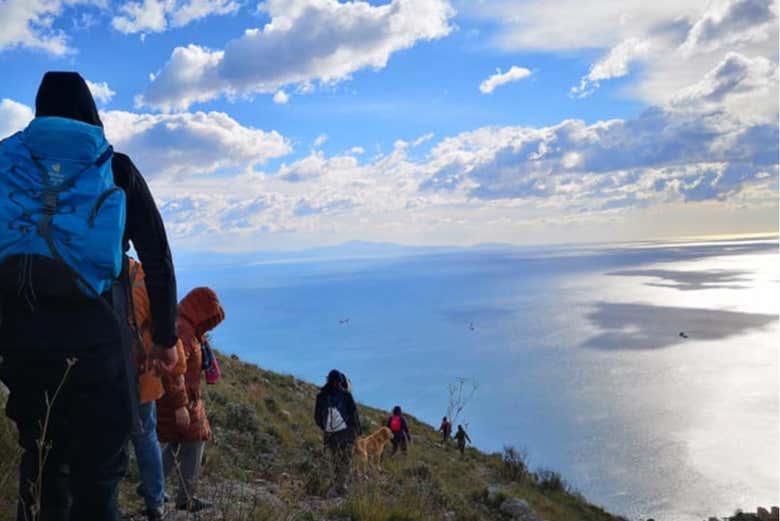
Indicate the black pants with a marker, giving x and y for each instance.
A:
(87, 432)
(340, 448)
(399, 442)
(462, 447)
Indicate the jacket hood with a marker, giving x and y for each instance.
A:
(66, 95)
(201, 308)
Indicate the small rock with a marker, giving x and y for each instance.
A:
(519, 510)
(285, 413)
(492, 493)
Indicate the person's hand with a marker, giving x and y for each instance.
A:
(165, 358)
(182, 417)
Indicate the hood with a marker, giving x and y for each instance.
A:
(201, 308)
(66, 95)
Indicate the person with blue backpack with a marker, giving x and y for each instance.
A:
(69, 209)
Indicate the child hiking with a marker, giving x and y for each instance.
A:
(446, 430)
(336, 414)
(462, 437)
(144, 440)
(182, 424)
(398, 426)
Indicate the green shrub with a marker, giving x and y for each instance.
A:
(241, 417)
(550, 480)
(514, 463)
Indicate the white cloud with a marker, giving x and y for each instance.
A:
(320, 140)
(183, 145)
(13, 117)
(728, 23)
(281, 97)
(613, 65)
(661, 47)
(28, 23)
(515, 73)
(700, 155)
(305, 41)
(100, 91)
(154, 16)
(735, 83)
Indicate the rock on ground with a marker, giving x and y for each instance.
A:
(519, 510)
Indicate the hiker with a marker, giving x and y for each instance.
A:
(199, 313)
(445, 429)
(63, 288)
(145, 443)
(336, 414)
(462, 437)
(397, 425)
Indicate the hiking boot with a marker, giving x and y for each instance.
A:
(155, 514)
(194, 505)
(142, 492)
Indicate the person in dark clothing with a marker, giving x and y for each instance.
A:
(462, 437)
(445, 429)
(398, 426)
(336, 414)
(90, 420)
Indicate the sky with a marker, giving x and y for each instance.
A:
(286, 124)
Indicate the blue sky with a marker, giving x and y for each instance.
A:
(602, 120)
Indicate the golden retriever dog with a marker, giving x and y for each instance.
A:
(368, 450)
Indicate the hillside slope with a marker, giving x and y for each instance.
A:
(265, 463)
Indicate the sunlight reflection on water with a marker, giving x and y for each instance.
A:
(577, 351)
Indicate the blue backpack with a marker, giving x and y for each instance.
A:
(58, 200)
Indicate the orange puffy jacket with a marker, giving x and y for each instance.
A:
(151, 387)
(199, 313)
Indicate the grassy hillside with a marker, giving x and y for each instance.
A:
(266, 463)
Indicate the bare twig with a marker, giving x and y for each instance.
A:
(44, 446)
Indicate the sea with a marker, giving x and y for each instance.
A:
(646, 373)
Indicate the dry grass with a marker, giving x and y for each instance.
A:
(266, 462)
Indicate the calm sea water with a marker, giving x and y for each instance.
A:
(577, 353)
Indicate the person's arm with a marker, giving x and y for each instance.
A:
(467, 438)
(319, 412)
(355, 415)
(145, 229)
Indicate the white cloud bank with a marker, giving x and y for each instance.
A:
(514, 74)
(28, 23)
(154, 16)
(666, 46)
(305, 41)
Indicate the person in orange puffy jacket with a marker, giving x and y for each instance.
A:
(147, 448)
(199, 312)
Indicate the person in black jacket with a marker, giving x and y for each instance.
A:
(90, 421)
(462, 437)
(336, 414)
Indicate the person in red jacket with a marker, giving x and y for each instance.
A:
(199, 313)
(445, 429)
(397, 425)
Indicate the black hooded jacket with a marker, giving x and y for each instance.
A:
(335, 396)
(60, 326)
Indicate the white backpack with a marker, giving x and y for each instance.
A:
(334, 421)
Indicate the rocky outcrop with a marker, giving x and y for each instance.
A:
(519, 510)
